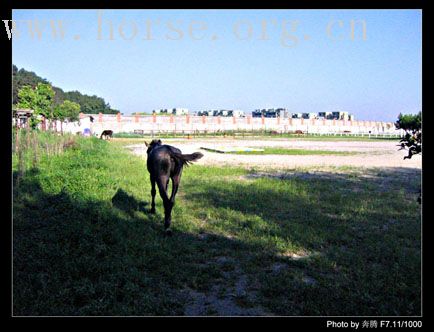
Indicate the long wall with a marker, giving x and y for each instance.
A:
(190, 124)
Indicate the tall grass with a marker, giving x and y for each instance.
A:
(30, 146)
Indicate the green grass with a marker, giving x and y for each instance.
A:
(295, 152)
(127, 135)
(262, 135)
(83, 243)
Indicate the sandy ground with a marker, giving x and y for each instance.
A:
(371, 153)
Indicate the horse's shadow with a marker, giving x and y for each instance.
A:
(128, 203)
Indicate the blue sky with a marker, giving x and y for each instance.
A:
(233, 59)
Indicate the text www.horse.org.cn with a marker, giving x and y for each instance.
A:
(287, 31)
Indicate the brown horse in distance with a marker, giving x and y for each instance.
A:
(166, 162)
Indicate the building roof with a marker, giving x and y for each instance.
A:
(24, 111)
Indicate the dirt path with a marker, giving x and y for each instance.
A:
(372, 154)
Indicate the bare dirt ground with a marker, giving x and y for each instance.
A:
(370, 153)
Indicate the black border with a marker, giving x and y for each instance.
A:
(301, 322)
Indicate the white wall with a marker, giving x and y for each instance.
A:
(212, 124)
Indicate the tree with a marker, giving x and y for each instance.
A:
(26, 97)
(45, 100)
(40, 100)
(68, 110)
(21, 78)
(409, 122)
(412, 124)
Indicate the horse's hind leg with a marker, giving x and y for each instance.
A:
(168, 205)
(153, 192)
(175, 185)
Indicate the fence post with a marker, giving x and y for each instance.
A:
(44, 123)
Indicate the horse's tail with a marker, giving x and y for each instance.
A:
(186, 159)
(101, 135)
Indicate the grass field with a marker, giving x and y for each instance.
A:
(337, 242)
(123, 138)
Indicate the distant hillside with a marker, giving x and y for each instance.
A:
(88, 104)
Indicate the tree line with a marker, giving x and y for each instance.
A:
(88, 104)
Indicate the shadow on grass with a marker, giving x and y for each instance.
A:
(361, 233)
(123, 201)
(315, 197)
(75, 256)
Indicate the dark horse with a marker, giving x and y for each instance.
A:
(165, 162)
(107, 134)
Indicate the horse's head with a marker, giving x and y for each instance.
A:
(153, 144)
